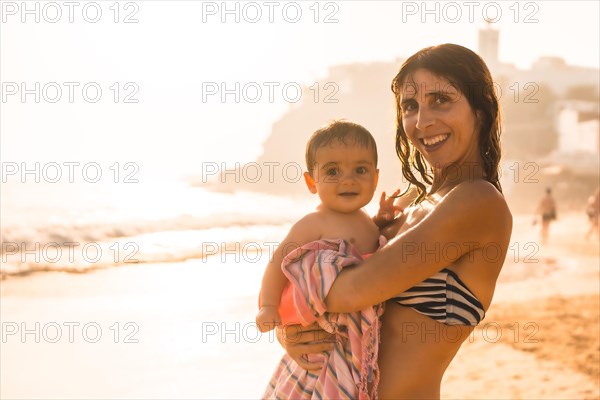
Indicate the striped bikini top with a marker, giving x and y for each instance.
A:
(445, 298)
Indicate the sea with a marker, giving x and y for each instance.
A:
(79, 227)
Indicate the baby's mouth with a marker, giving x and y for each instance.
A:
(348, 194)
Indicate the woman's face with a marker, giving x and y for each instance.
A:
(439, 121)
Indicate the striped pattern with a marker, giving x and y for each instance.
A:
(350, 370)
(445, 298)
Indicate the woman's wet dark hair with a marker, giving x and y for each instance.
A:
(468, 73)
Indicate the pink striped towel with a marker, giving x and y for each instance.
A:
(350, 370)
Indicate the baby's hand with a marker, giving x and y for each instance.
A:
(387, 210)
(267, 318)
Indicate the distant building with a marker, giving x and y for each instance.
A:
(550, 70)
(555, 141)
(488, 45)
(578, 154)
(578, 127)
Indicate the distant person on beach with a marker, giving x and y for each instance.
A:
(593, 213)
(546, 209)
(341, 160)
(438, 273)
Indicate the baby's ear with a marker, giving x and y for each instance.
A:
(310, 183)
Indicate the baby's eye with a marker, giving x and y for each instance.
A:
(331, 171)
(361, 170)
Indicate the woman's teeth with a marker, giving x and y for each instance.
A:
(435, 139)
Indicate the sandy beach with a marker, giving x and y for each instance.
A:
(185, 330)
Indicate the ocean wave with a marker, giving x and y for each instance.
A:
(233, 244)
(26, 236)
(162, 222)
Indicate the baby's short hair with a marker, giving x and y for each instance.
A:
(338, 130)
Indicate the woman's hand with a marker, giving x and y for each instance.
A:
(298, 341)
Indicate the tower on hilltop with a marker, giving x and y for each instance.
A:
(488, 44)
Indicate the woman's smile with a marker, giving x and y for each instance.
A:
(433, 143)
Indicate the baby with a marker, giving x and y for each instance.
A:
(341, 159)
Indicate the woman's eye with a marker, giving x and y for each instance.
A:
(441, 99)
(408, 107)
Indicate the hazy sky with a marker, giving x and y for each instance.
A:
(178, 51)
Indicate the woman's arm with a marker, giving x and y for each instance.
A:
(471, 216)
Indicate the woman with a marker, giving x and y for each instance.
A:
(439, 270)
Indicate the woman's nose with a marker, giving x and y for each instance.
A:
(424, 118)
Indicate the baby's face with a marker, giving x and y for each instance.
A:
(345, 176)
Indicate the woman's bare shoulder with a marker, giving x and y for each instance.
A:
(479, 192)
(480, 201)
